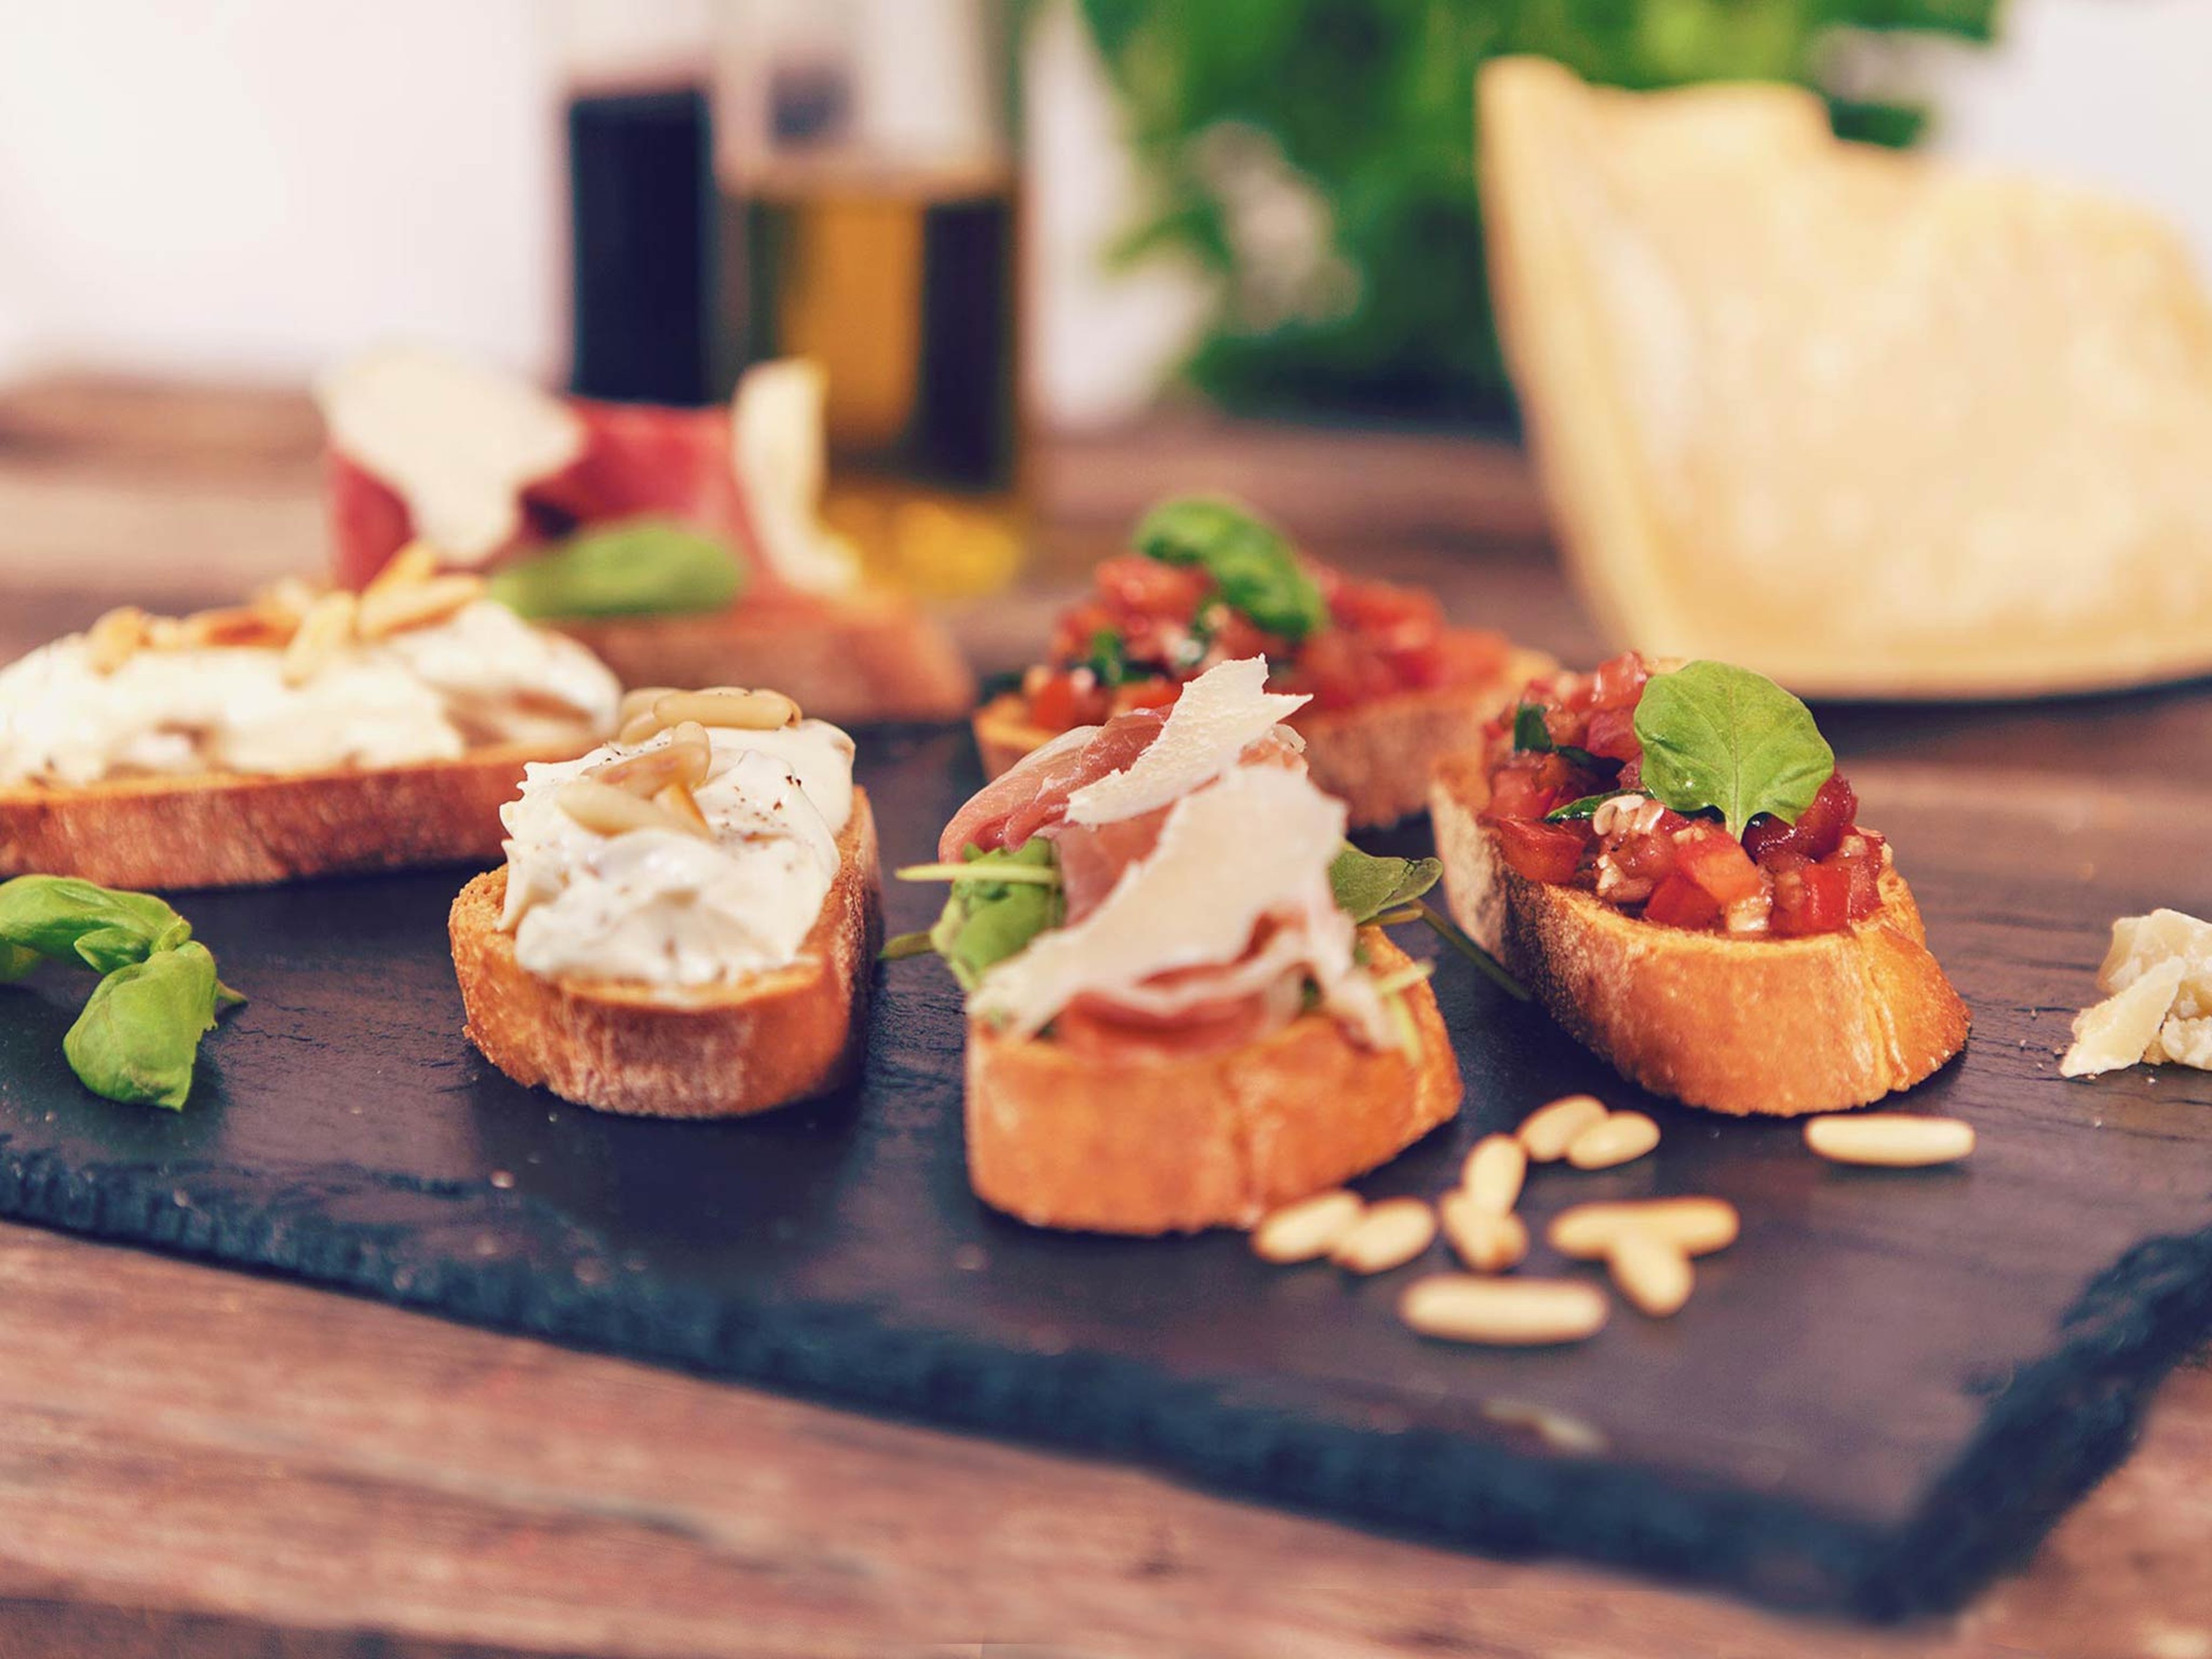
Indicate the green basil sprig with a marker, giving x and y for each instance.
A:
(985, 921)
(140, 1032)
(1719, 737)
(1532, 736)
(1369, 889)
(633, 567)
(1250, 562)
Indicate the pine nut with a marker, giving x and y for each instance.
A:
(640, 700)
(637, 729)
(682, 759)
(416, 563)
(611, 811)
(1558, 1432)
(1391, 1234)
(730, 705)
(393, 608)
(1696, 1226)
(1898, 1140)
(114, 638)
(286, 601)
(677, 801)
(233, 625)
(1507, 1312)
(326, 626)
(1651, 1270)
(1309, 1228)
(1621, 1138)
(1493, 1173)
(1550, 1130)
(1487, 1240)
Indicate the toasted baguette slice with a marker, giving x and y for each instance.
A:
(1374, 758)
(1152, 1144)
(868, 658)
(239, 829)
(1783, 1026)
(651, 1051)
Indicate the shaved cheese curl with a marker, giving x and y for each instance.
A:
(1215, 719)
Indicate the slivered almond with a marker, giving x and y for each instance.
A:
(392, 609)
(1549, 1130)
(1487, 1240)
(1697, 1226)
(115, 638)
(682, 759)
(679, 801)
(1391, 1234)
(728, 705)
(1307, 1229)
(1506, 1312)
(1494, 1170)
(1652, 1271)
(1620, 1138)
(1896, 1140)
(326, 627)
(611, 811)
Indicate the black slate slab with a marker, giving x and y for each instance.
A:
(1883, 1394)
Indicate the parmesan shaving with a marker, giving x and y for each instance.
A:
(1218, 715)
(2120, 1030)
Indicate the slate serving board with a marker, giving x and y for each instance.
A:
(1883, 1394)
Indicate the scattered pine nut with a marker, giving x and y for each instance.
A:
(682, 759)
(1696, 1226)
(610, 811)
(1550, 1130)
(1508, 1312)
(1493, 1173)
(729, 706)
(1391, 1234)
(395, 609)
(1487, 1240)
(640, 701)
(326, 626)
(1310, 1228)
(414, 563)
(1652, 1270)
(678, 802)
(1620, 1138)
(1898, 1140)
(1558, 1432)
(232, 625)
(115, 638)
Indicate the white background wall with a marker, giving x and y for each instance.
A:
(246, 188)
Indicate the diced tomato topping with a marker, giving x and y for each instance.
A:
(1619, 683)
(1811, 898)
(1058, 701)
(1147, 694)
(1140, 586)
(1712, 859)
(1819, 830)
(1529, 786)
(1677, 902)
(1647, 858)
(1610, 734)
(1542, 852)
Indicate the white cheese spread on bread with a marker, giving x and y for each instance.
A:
(666, 906)
(479, 677)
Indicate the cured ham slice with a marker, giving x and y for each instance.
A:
(1034, 795)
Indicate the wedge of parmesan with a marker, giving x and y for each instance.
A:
(1876, 424)
(2159, 972)
(458, 443)
(1256, 844)
(779, 452)
(1218, 715)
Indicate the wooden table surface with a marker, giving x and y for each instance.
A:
(200, 1463)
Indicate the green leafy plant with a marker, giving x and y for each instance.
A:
(1370, 104)
(1725, 737)
(634, 567)
(1250, 561)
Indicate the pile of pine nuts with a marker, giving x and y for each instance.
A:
(1647, 1245)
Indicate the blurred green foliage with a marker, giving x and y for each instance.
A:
(1372, 102)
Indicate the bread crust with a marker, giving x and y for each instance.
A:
(1374, 758)
(1147, 1144)
(1779, 1026)
(240, 829)
(652, 1051)
(867, 658)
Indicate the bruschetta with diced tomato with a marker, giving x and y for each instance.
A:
(1668, 856)
(1181, 1013)
(1389, 685)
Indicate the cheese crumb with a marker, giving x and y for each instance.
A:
(2159, 975)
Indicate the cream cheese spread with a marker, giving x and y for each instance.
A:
(481, 675)
(662, 907)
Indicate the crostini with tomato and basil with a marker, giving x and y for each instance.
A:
(1668, 857)
(1390, 686)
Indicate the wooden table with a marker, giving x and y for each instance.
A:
(198, 1463)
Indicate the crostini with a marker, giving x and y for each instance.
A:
(680, 545)
(303, 734)
(1181, 1015)
(1389, 685)
(687, 916)
(1669, 858)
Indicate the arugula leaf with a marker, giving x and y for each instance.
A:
(632, 567)
(1722, 737)
(985, 921)
(67, 920)
(1368, 887)
(140, 1033)
(1250, 562)
(1109, 660)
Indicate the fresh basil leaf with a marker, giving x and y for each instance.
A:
(1722, 737)
(1250, 562)
(140, 1032)
(1530, 734)
(1367, 887)
(16, 961)
(985, 921)
(1107, 661)
(633, 567)
(1579, 809)
(67, 920)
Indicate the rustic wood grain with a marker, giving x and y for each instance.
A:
(195, 1462)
